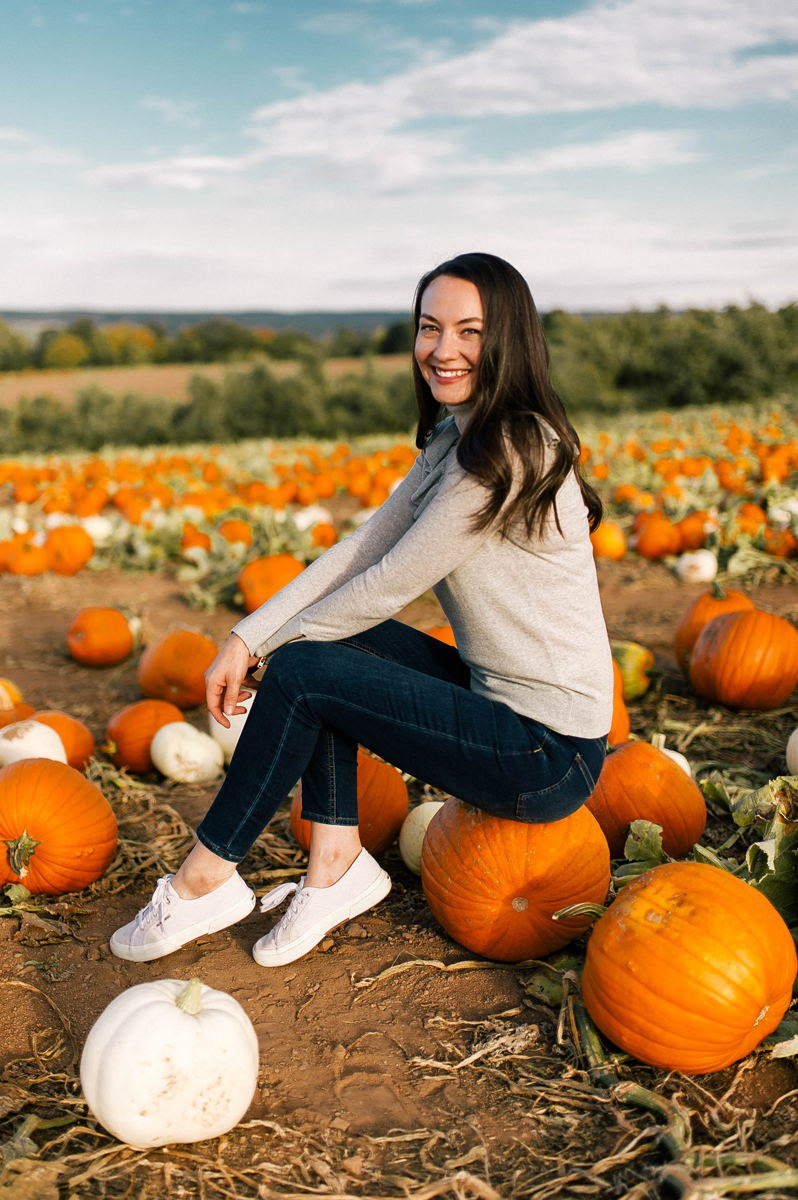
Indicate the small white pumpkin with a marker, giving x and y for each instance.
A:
(228, 738)
(411, 835)
(792, 753)
(185, 754)
(169, 1061)
(697, 566)
(30, 739)
(314, 514)
(100, 529)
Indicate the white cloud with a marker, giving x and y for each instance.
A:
(173, 112)
(19, 147)
(608, 56)
(634, 150)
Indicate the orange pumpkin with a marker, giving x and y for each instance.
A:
(17, 712)
(493, 884)
(701, 611)
(264, 577)
(638, 782)
(608, 541)
(29, 559)
(130, 732)
(658, 539)
(69, 548)
(619, 730)
(381, 806)
(99, 637)
(173, 668)
(192, 536)
(324, 534)
(234, 530)
(77, 738)
(59, 830)
(692, 530)
(745, 660)
(689, 969)
(443, 633)
(9, 546)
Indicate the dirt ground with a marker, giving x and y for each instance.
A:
(369, 1075)
(169, 380)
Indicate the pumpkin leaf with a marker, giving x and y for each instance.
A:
(17, 893)
(644, 844)
(704, 854)
(773, 862)
(715, 793)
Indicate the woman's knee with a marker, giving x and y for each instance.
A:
(298, 662)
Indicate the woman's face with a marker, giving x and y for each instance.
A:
(449, 339)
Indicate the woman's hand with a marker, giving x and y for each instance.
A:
(224, 678)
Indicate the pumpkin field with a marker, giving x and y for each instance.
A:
(606, 1010)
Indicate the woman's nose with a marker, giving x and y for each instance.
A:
(447, 346)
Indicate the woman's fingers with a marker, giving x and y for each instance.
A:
(224, 677)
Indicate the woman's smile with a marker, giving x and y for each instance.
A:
(449, 338)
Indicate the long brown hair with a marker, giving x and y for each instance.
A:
(511, 388)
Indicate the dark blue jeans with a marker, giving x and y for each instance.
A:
(405, 696)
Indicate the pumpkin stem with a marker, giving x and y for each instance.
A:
(658, 740)
(717, 591)
(190, 999)
(19, 852)
(580, 910)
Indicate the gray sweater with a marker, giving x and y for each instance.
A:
(526, 613)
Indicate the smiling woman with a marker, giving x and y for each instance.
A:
(513, 719)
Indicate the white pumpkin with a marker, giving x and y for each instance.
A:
(185, 754)
(169, 1061)
(314, 514)
(228, 738)
(100, 529)
(411, 835)
(697, 566)
(29, 739)
(792, 753)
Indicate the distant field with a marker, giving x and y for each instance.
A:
(169, 380)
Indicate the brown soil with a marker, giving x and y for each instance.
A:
(336, 1061)
(169, 380)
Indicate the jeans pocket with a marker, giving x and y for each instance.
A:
(559, 799)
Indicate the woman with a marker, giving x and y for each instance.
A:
(495, 517)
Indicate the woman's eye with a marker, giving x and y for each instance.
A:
(428, 329)
(477, 332)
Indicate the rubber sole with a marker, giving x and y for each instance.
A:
(302, 946)
(168, 946)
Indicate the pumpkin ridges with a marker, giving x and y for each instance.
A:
(746, 660)
(77, 738)
(717, 977)
(508, 859)
(173, 667)
(77, 838)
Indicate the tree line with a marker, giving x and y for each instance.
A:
(250, 403)
(85, 343)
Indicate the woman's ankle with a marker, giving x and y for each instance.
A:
(201, 873)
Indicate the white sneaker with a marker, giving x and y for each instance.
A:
(169, 921)
(313, 912)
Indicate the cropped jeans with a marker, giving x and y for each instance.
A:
(405, 696)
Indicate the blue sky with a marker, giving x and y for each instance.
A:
(290, 154)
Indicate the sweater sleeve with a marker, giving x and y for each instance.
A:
(433, 546)
(333, 569)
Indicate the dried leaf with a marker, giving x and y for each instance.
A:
(644, 844)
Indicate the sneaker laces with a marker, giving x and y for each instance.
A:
(275, 897)
(280, 893)
(153, 913)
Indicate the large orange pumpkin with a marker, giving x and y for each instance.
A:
(130, 732)
(708, 605)
(745, 660)
(29, 559)
(264, 577)
(638, 782)
(689, 969)
(99, 637)
(59, 830)
(77, 738)
(173, 668)
(381, 806)
(69, 548)
(619, 730)
(493, 884)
